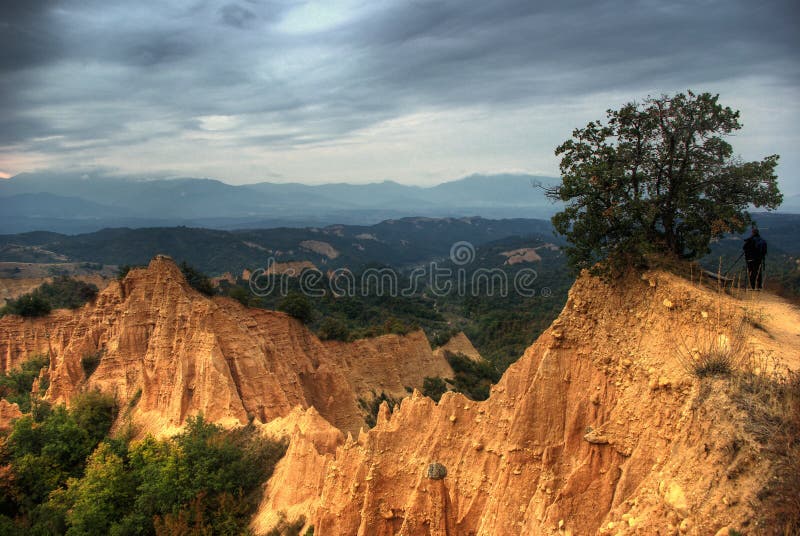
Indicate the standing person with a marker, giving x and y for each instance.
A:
(755, 249)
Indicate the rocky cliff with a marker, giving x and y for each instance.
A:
(599, 428)
(166, 352)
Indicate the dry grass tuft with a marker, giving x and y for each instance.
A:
(712, 349)
(770, 395)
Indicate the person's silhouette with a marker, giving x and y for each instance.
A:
(755, 249)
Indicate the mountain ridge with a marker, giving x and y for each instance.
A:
(123, 201)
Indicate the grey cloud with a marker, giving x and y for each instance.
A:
(168, 64)
(236, 15)
(28, 36)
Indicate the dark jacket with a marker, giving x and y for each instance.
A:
(755, 248)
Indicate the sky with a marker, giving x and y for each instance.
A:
(416, 91)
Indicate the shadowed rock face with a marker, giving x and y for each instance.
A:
(168, 352)
(596, 429)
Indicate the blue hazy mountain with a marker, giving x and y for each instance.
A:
(79, 202)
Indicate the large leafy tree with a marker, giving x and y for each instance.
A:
(657, 177)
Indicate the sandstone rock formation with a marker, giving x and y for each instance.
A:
(167, 352)
(8, 412)
(459, 344)
(598, 428)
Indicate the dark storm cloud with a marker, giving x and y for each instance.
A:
(236, 15)
(512, 51)
(27, 34)
(105, 73)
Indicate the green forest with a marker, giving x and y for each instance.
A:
(64, 473)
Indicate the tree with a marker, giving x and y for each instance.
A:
(65, 292)
(434, 387)
(658, 177)
(197, 279)
(298, 306)
(28, 305)
(333, 329)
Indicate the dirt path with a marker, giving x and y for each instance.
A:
(780, 321)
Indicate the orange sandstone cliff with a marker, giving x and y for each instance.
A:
(167, 352)
(598, 429)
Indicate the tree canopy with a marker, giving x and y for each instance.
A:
(657, 177)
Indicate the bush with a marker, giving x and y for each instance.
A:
(44, 453)
(94, 412)
(63, 293)
(66, 293)
(122, 270)
(197, 279)
(205, 480)
(241, 295)
(16, 384)
(472, 378)
(333, 329)
(285, 528)
(298, 306)
(90, 362)
(434, 387)
(371, 407)
(29, 305)
(718, 362)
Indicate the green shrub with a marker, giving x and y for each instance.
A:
(94, 412)
(135, 398)
(62, 293)
(45, 453)
(16, 384)
(66, 293)
(205, 480)
(123, 270)
(90, 362)
(333, 329)
(372, 406)
(28, 305)
(197, 279)
(434, 387)
(286, 528)
(472, 378)
(298, 306)
(240, 294)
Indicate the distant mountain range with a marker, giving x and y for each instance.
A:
(400, 243)
(78, 203)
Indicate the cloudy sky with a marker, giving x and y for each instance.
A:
(417, 91)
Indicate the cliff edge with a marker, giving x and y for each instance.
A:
(605, 425)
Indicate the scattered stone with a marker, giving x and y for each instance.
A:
(596, 438)
(436, 471)
(668, 304)
(677, 499)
